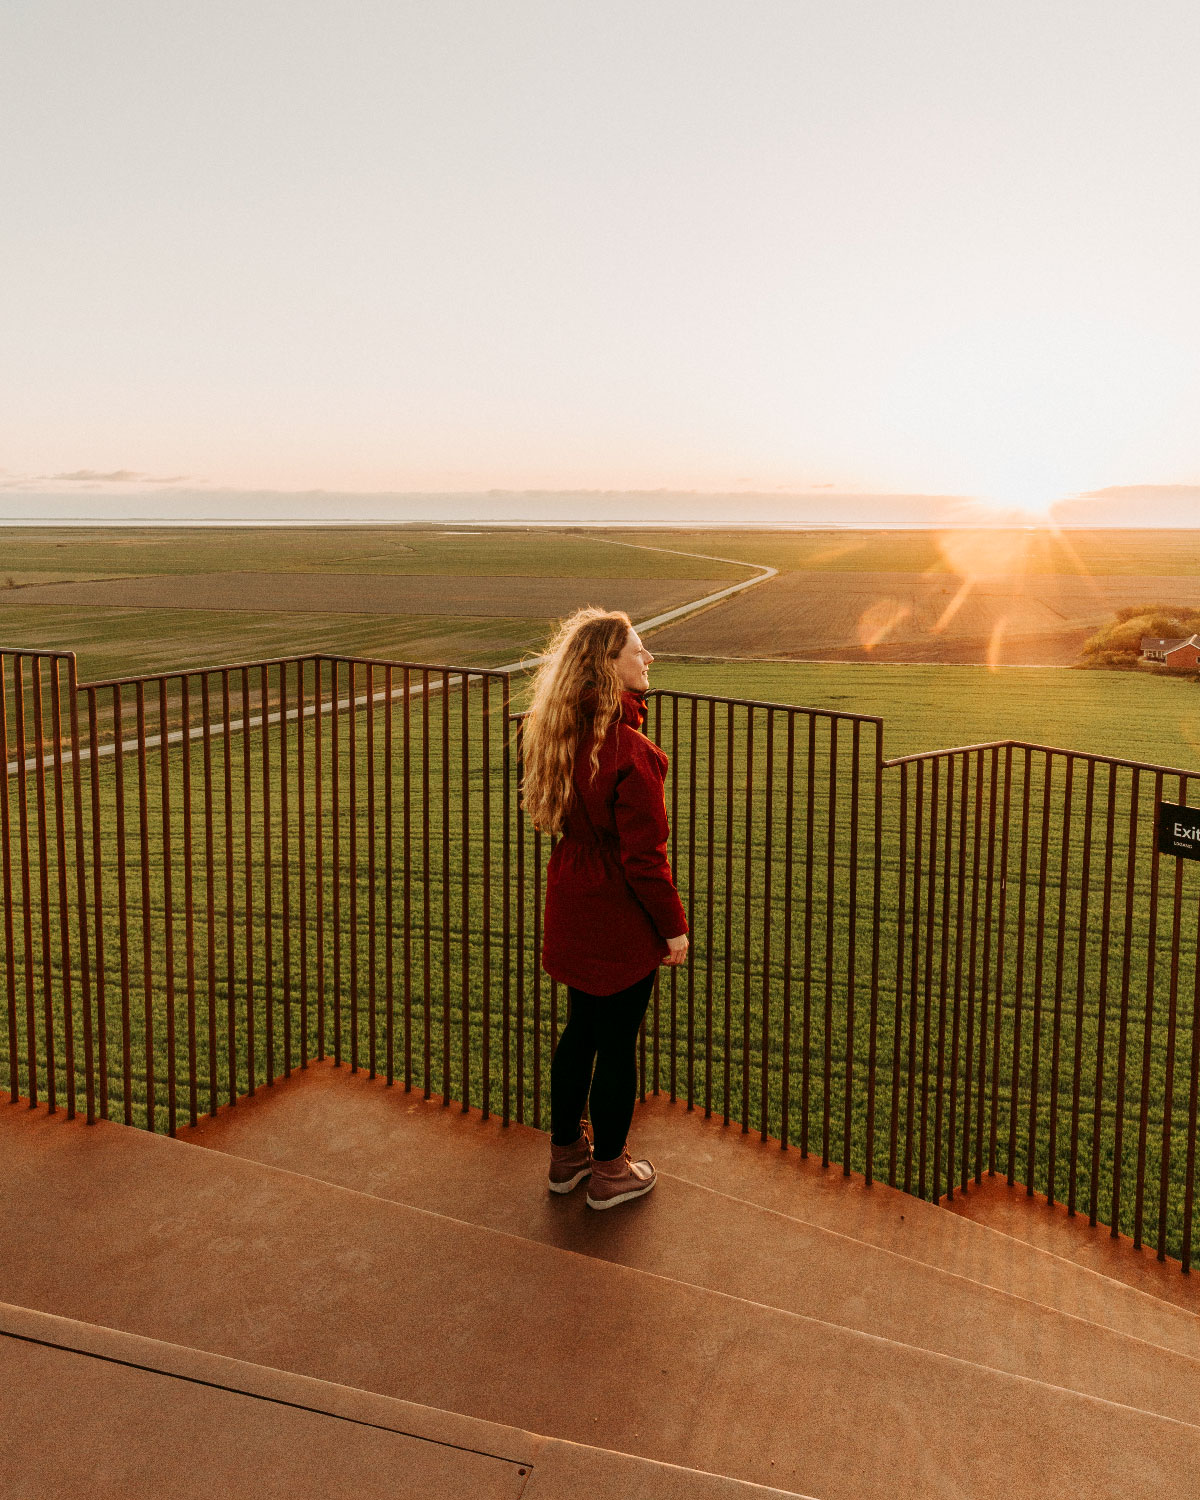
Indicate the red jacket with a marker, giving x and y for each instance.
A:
(611, 901)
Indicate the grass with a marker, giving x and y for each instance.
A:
(1153, 719)
(126, 642)
(115, 641)
(120, 551)
(472, 1015)
(1126, 714)
(105, 551)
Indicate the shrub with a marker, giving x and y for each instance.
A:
(1119, 644)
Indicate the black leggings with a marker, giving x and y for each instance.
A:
(601, 1030)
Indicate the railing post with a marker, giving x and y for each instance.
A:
(876, 915)
(506, 877)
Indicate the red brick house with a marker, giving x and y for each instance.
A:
(1183, 652)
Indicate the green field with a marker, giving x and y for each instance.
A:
(115, 641)
(405, 958)
(93, 552)
(121, 551)
(125, 642)
(1155, 719)
(1152, 719)
(420, 972)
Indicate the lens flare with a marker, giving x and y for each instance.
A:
(879, 620)
(996, 643)
(973, 554)
(960, 598)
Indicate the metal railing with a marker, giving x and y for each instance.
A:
(966, 962)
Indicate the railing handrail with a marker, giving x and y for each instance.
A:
(684, 695)
(1096, 757)
(788, 708)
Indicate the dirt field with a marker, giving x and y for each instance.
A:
(1038, 620)
(375, 594)
(1020, 553)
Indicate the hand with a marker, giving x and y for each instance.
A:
(677, 951)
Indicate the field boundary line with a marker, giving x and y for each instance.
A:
(837, 661)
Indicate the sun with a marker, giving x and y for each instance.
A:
(1031, 502)
(1020, 489)
(1038, 506)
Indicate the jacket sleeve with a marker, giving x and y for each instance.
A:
(641, 816)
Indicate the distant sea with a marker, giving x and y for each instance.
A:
(1147, 506)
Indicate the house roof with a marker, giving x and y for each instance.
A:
(1152, 643)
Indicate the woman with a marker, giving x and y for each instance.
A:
(612, 911)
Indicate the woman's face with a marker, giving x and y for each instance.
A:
(633, 664)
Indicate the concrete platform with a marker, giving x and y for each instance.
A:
(684, 1331)
(74, 1402)
(740, 1216)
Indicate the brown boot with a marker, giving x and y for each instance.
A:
(569, 1165)
(619, 1180)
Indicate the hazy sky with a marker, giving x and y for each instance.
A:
(940, 246)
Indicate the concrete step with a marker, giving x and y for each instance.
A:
(226, 1427)
(213, 1252)
(1009, 1257)
(871, 1259)
(1033, 1220)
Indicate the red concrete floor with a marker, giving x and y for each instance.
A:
(87, 1410)
(1031, 1218)
(755, 1317)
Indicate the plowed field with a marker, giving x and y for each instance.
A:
(1038, 620)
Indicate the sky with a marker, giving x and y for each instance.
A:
(785, 247)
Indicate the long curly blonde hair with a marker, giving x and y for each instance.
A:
(576, 688)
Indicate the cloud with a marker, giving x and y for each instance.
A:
(1135, 505)
(89, 479)
(112, 476)
(1142, 491)
(91, 474)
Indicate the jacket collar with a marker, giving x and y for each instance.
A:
(633, 708)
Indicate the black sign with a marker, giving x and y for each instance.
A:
(1179, 830)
